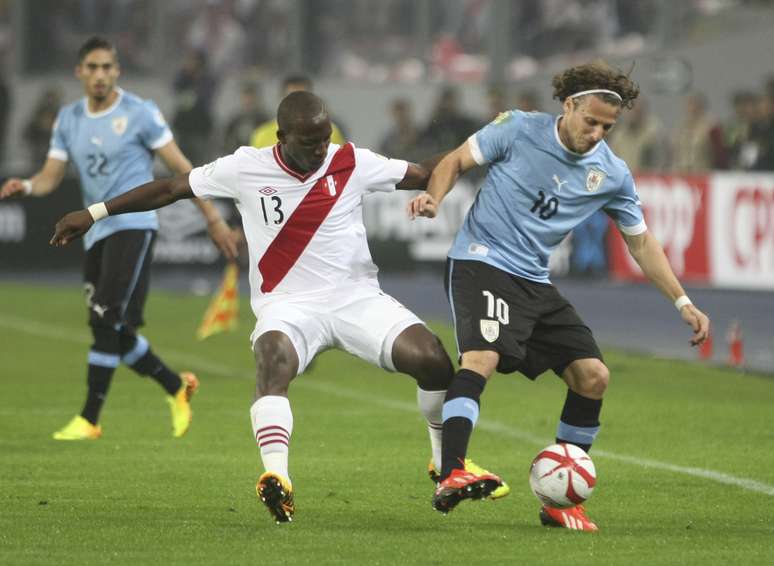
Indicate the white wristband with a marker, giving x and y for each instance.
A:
(98, 211)
(682, 301)
(27, 186)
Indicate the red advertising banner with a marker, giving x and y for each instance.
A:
(742, 230)
(677, 211)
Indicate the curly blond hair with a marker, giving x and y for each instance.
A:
(596, 75)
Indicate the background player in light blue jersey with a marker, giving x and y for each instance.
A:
(110, 136)
(547, 174)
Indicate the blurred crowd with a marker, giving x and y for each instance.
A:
(447, 125)
(377, 40)
(382, 40)
(701, 141)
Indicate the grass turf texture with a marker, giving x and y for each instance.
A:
(358, 457)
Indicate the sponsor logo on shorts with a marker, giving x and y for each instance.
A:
(490, 330)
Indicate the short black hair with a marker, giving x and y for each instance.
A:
(93, 43)
(297, 108)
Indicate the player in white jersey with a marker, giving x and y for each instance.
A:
(546, 175)
(313, 283)
(110, 137)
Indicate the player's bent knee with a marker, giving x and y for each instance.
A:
(421, 355)
(595, 380)
(276, 363)
(437, 370)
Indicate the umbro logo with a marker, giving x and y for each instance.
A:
(267, 191)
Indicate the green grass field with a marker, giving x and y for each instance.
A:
(685, 459)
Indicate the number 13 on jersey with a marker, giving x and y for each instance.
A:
(272, 210)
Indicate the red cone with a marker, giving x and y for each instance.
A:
(735, 345)
(705, 350)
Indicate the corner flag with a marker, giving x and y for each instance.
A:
(223, 312)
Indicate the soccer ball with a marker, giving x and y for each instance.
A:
(562, 475)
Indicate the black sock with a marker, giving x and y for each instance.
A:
(99, 378)
(103, 361)
(459, 418)
(153, 367)
(137, 354)
(579, 423)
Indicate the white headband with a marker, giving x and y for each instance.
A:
(597, 91)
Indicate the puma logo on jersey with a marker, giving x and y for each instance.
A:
(96, 141)
(559, 182)
(99, 309)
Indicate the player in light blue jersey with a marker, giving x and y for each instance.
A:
(547, 174)
(110, 136)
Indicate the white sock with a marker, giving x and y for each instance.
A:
(272, 426)
(431, 405)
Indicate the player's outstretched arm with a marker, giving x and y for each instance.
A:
(418, 174)
(40, 184)
(650, 256)
(442, 180)
(149, 196)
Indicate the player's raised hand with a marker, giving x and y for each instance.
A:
(12, 187)
(72, 225)
(698, 321)
(422, 205)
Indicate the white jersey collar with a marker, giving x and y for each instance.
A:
(107, 110)
(567, 149)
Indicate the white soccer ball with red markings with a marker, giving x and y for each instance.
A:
(562, 475)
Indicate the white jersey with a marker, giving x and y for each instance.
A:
(305, 233)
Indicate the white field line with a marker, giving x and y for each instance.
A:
(41, 330)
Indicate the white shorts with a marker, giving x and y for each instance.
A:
(360, 319)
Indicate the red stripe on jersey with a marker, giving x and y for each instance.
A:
(295, 235)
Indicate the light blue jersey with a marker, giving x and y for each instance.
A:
(113, 153)
(536, 192)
